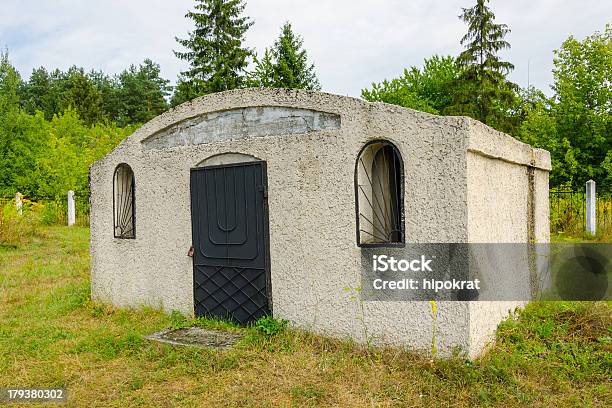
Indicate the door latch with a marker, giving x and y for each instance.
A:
(264, 190)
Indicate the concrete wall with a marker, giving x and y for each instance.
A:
(507, 203)
(310, 142)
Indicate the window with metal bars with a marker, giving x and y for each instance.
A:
(123, 202)
(379, 194)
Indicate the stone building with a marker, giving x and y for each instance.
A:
(258, 201)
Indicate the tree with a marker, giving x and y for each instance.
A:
(39, 95)
(575, 124)
(93, 95)
(427, 90)
(286, 64)
(109, 88)
(41, 157)
(582, 77)
(70, 148)
(482, 91)
(19, 133)
(60, 166)
(142, 93)
(10, 83)
(78, 91)
(539, 129)
(214, 50)
(263, 76)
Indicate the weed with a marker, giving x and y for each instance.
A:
(178, 320)
(270, 326)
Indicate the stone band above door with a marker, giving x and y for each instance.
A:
(242, 123)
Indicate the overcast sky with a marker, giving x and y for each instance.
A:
(351, 42)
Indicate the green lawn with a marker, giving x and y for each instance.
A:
(52, 335)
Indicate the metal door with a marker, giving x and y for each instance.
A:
(229, 219)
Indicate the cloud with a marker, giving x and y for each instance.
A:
(352, 43)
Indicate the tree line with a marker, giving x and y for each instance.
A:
(56, 123)
(134, 96)
(574, 124)
(48, 152)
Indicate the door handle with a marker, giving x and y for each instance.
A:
(191, 251)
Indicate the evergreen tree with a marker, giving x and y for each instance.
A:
(109, 89)
(483, 91)
(38, 93)
(214, 50)
(286, 64)
(142, 93)
(263, 76)
(183, 91)
(78, 91)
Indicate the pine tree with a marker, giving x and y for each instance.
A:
(483, 91)
(78, 91)
(38, 93)
(142, 94)
(214, 50)
(109, 88)
(263, 76)
(290, 68)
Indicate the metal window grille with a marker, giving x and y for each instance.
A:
(123, 202)
(379, 192)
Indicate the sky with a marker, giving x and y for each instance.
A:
(351, 42)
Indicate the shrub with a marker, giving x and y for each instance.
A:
(18, 229)
(51, 213)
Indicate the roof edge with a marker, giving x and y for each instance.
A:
(486, 141)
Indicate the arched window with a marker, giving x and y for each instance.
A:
(379, 180)
(123, 202)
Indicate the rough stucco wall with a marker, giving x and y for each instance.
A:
(541, 206)
(499, 212)
(435, 207)
(497, 195)
(311, 199)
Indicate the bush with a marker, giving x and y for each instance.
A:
(18, 229)
(51, 213)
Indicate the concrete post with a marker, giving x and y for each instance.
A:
(71, 209)
(591, 214)
(19, 203)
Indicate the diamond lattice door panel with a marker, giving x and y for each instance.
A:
(230, 240)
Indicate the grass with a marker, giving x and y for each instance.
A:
(52, 335)
(600, 238)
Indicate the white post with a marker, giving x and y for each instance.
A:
(591, 220)
(19, 203)
(71, 210)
